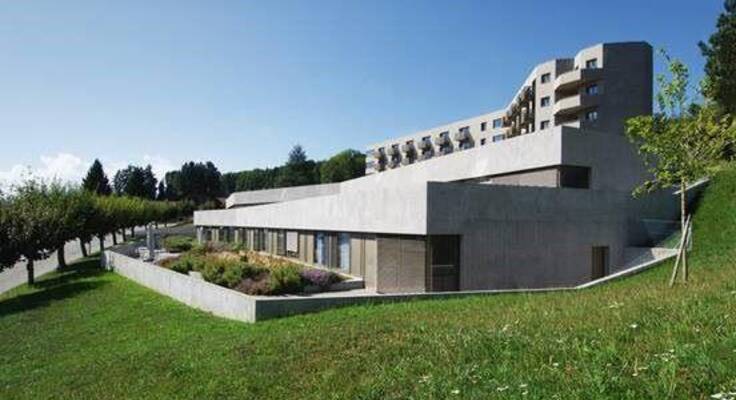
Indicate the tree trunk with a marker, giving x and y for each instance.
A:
(83, 247)
(114, 238)
(132, 232)
(101, 238)
(683, 213)
(124, 235)
(29, 268)
(61, 259)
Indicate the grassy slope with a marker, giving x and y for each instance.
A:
(88, 334)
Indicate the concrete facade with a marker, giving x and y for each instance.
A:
(534, 195)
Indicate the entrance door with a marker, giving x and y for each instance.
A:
(600, 262)
(443, 263)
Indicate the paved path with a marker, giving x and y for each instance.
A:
(17, 275)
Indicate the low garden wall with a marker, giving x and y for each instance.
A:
(232, 304)
(193, 292)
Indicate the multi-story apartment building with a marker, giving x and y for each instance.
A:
(537, 194)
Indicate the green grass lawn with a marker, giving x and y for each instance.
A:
(87, 334)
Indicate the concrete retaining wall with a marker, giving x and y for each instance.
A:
(193, 292)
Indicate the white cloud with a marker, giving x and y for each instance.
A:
(64, 167)
(70, 168)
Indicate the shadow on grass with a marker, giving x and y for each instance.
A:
(63, 285)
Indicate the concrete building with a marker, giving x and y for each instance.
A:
(537, 194)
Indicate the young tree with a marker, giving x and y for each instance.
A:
(681, 143)
(720, 53)
(96, 181)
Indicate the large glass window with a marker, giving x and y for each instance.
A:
(592, 63)
(280, 243)
(343, 243)
(320, 248)
(497, 123)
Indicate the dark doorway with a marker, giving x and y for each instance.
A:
(600, 262)
(443, 263)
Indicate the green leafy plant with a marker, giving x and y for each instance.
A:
(178, 243)
(286, 279)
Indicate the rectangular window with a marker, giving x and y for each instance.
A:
(544, 101)
(544, 125)
(546, 77)
(592, 63)
(483, 142)
(320, 249)
(482, 126)
(292, 242)
(343, 254)
(574, 177)
(280, 242)
(497, 123)
(498, 138)
(591, 89)
(591, 115)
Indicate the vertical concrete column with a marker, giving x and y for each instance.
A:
(215, 234)
(236, 235)
(200, 234)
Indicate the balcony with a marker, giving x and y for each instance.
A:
(573, 79)
(574, 104)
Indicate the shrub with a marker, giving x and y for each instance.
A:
(187, 262)
(319, 277)
(178, 243)
(256, 285)
(227, 272)
(286, 279)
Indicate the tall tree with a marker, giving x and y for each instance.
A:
(96, 181)
(298, 170)
(173, 185)
(161, 191)
(149, 183)
(720, 53)
(348, 164)
(200, 182)
(135, 181)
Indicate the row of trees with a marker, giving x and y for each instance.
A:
(40, 218)
(298, 170)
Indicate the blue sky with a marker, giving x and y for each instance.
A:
(240, 82)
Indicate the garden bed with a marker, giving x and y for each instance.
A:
(249, 272)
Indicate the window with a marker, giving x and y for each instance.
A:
(482, 126)
(592, 63)
(591, 89)
(259, 240)
(483, 142)
(545, 101)
(280, 243)
(343, 253)
(498, 138)
(546, 77)
(574, 177)
(320, 249)
(497, 123)
(591, 115)
(544, 125)
(292, 243)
